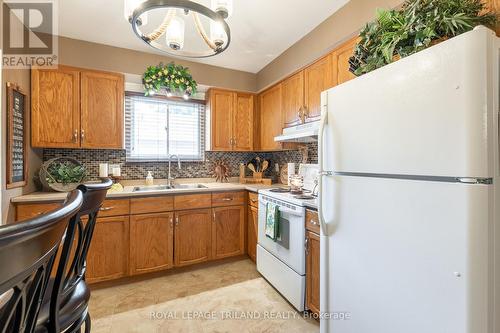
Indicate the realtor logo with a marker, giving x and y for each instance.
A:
(29, 33)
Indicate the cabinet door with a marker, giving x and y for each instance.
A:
(55, 107)
(340, 62)
(243, 122)
(102, 97)
(151, 242)
(293, 99)
(228, 232)
(312, 272)
(252, 228)
(318, 78)
(271, 121)
(221, 117)
(108, 255)
(192, 247)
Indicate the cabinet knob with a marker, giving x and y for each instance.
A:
(82, 135)
(105, 209)
(75, 136)
(176, 221)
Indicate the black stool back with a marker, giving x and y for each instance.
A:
(72, 264)
(27, 253)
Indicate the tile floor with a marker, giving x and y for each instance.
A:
(219, 297)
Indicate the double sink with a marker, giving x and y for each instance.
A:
(166, 187)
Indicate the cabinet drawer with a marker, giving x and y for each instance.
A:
(114, 208)
(253, 199)
(228, 199)
(151, 205)
(26, 211)
(192, 201)
(312, 221)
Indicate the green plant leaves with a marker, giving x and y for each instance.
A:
(413, 28)
(66, 172)
(175, 78)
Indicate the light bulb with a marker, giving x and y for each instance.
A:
(175, 33)
(223, 7)
(128, 11)
(217, 33)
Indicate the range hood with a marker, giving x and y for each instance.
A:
(301, 133)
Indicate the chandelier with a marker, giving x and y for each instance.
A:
(168, 35)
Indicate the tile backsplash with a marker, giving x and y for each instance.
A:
(133, 170)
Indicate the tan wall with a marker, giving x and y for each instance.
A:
(22, 78)
(98, 56)
(342, 25)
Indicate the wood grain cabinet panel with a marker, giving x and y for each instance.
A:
(192, 201)
(318, 78)
(102, 97)
(151, 205)
(108, 255)
(253, 199)
(312, 221)
(340, 62)
(221, 117)
(293, 99)
(271, 121)
(243, 118)
(193, 237)
(55, 107)
(252, 232)
(312, 272)
(228, 199)
(151, 242)
(29, 210)
(228, 232)
(114, 207)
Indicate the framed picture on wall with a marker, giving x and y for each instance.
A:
(16, 168)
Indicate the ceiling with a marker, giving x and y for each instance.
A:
(260, 29)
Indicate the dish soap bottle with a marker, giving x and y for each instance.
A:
(149, 179)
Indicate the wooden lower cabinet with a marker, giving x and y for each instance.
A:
(312, 272)
(228, 231)
(108, 255)
(193, 236)
(252, 228)
(151, 242)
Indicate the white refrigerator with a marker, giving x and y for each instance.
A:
(409, 206)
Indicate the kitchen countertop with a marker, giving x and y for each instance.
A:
(128, 187)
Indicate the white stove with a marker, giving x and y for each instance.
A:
(282, 262)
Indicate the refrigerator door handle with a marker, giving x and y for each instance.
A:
(322, 173)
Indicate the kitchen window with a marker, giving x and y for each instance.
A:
(157, 127)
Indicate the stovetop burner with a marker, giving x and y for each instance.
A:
(304, 197)
(279, 190)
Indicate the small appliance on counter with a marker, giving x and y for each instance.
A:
(282, 260)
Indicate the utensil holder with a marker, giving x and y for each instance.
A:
(257, 175)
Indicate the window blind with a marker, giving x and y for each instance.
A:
(156, 128)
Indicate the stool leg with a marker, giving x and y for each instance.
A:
(88, 323)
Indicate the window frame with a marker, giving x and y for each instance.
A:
(128, 127)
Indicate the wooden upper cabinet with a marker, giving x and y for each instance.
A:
(318, 78)
(151, 242)
(102, 97)
(221, 105)
(243, 118)
(76, 108)
(271, 121)
(340, 62)
(55, 107)
(192, 247)
(231, 120)
(293, 99)
(228, 231)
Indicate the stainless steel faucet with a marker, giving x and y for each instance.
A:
(169, 177)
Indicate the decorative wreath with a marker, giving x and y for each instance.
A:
(168, 79)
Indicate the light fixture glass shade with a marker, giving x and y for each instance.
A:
(217, 33)
(128, 10)
(175, 33)
(223, 7)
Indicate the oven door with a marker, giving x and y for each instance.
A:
(289, 248)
